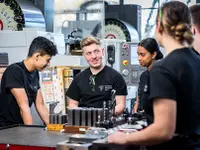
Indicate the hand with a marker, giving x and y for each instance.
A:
(117, 112)
(117, 138)
(118, 109)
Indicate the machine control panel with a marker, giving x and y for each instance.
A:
(123, 57)
(129, 66)
(125, 62)
(125, 72)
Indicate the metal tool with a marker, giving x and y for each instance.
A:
(77, 116)
(95, 116)
(89, 117)
(84, 117)
(101, 132)
(70, 113)
(113, 102)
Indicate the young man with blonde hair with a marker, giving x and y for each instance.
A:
(93, 86)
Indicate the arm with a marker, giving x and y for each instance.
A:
(135, 107)
(71, 103)
(160, 131)
(121, 92)
(164, 107)
(120, 104)
(73, 95)
(41, 108)
(22, 101)
(163, 127)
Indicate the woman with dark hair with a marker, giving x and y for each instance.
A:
(148, 53)
(174, 101)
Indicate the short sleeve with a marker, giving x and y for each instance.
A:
(162, 83)
(73, 91)
(38, 76)
(120, 85)
(14, 77)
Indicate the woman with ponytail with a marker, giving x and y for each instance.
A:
(174, 101)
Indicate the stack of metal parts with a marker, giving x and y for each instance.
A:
(86, 116)
(57, 119)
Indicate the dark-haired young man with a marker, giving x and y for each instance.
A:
(20, 85)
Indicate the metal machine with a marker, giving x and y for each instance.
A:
(122, 56)
(17, 14)
(75, 32)
(95, 138)
(91, 126)
(16, 43)
(100, 19)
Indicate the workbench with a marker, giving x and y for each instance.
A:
(23, 137)
(26, 137)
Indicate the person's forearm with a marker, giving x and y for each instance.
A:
(44, 113)
(135, 108)
(152, 135)
(119, 109)
(72, 106)
(26, 116)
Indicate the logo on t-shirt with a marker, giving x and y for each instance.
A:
(105, 87)
(101, 87)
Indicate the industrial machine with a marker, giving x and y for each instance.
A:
(100, 19)
(16, 43)
(124, 24)
(91, 126)
(95, 138)
(75, 32)
(17, 14)
(122, 56)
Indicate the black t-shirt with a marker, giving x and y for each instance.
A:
(195, 51)
(143, 94)
(91, 90)
(16, 76)
(143, 89)
(177, 77)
